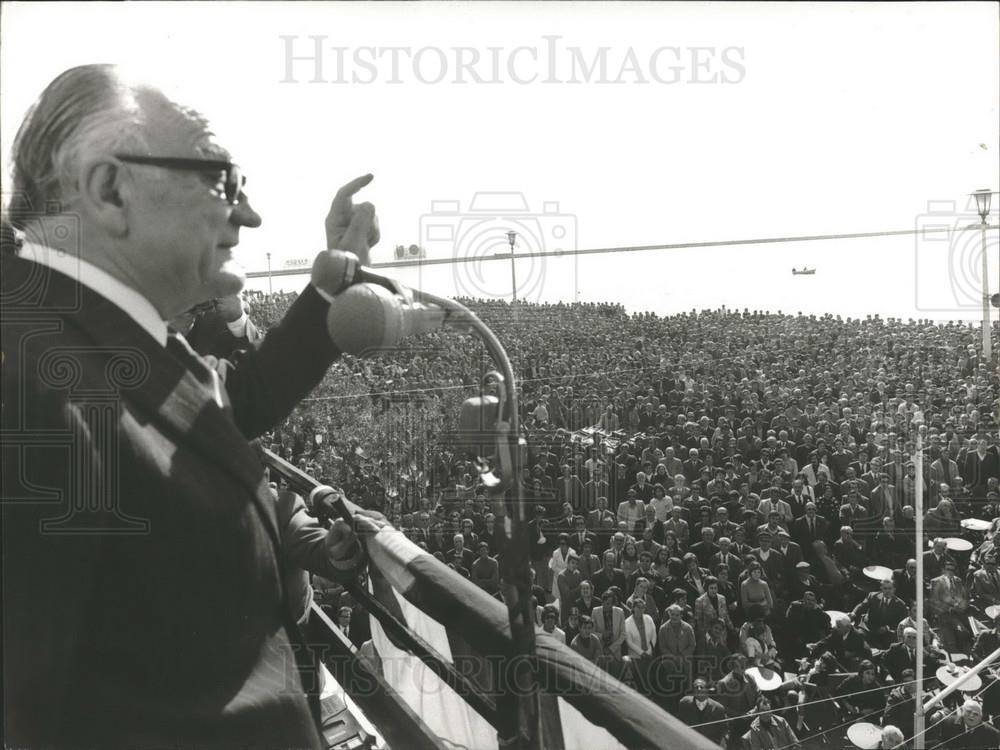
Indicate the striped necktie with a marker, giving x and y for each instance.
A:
(206, 375)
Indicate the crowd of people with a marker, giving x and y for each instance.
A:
(709, 490)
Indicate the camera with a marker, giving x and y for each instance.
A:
(478, 236)
(948, 261)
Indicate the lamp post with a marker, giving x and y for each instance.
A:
(983, 199)
(511, 236)
(270, 286)
(918, 517)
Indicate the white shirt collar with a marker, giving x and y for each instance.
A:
(131, 302)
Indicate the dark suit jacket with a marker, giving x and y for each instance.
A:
(793, 556)
(704, 552)
(906, 588)
(143, 600)
(975, 472)
(602, 582)
(880, 614)
(897, 658)
(687, 711)
(933, 567)
(211, 335)
(799, 532)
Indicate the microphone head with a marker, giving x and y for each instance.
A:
(365, 318)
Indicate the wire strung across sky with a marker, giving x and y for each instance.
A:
(639, 248)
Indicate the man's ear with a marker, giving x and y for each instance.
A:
(102, 194)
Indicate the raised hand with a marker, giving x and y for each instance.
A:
(343, 213)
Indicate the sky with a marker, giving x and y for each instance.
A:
(587, 126)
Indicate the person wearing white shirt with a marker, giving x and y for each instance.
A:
(662, 504)
(631, 510)
(640, 640)
(549, 618)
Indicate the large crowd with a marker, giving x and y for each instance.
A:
(724, 502)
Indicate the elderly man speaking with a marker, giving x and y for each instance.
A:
(142, 594)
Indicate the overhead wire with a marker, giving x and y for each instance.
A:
(641, 248)
(813, 703)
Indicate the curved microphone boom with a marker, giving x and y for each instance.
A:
(335, 271)
(369, 316)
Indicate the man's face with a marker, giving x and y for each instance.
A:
(181, 228)
(972, 714)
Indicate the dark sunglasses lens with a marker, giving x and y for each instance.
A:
(234, 184)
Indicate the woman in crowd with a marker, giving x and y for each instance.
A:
(755, 591)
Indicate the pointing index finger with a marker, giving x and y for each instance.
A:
(347, 191)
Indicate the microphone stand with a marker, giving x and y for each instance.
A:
(518, 704)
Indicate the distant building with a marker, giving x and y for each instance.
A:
(413, 252)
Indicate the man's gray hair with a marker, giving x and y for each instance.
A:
(84, 108)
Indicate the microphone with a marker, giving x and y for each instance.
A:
(335, 271)
(367, 317)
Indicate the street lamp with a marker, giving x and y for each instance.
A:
(511, 236)
(270, 286)
(983, 200)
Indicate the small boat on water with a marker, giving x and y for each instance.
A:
(804, 272)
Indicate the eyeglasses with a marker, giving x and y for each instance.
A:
(233, 179)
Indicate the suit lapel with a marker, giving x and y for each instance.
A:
(170, 395)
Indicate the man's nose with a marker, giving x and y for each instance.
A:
(243, 214)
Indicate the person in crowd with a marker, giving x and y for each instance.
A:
(769, 730)
(485, 571)
(862, 695)
(901, 703)
(845, 642)
(677, 643)
(755, 591)
(757, 642)
(640, 642)
(550, 620)
(948, 603)
(587, 643)
(986, 584)
(902, 655)
(568, 584)
(709, 608)
(878, 614)
(891, 739)
(738, 694)
(703, 712)
(609, 626)
(966, 730)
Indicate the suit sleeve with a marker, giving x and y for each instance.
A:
(47, 577)
(267, 381)
(303, 539)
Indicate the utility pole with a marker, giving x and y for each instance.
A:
(511, 236)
